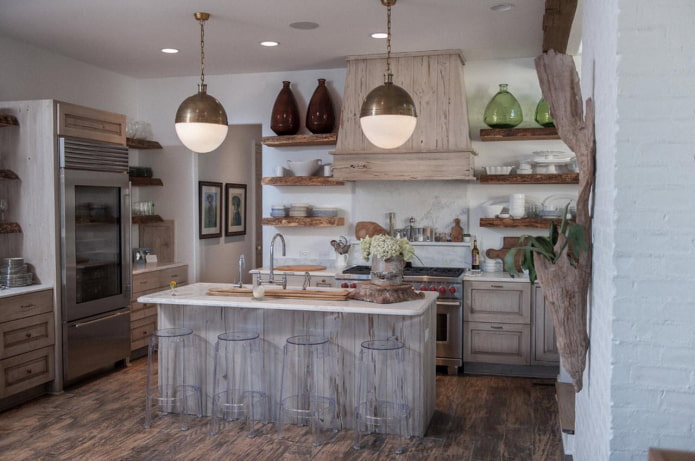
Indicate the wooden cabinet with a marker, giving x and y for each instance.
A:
(86, 123)
(497, 322)
(143, 316)
(544, 347)
(26, 342)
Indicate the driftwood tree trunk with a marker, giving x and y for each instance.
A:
(566, 287)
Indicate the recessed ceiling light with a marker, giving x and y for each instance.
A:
(170, 50)
(304, 25)
(379, 35)
(269, 43)
(502, 7)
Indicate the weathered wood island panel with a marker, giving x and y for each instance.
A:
(346, 323)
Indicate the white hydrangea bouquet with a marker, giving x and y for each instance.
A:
(385, 247)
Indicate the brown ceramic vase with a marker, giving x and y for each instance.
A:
(284, 119)
(319, 115)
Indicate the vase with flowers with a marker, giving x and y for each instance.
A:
(389, 255)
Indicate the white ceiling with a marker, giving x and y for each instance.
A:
(125, 36)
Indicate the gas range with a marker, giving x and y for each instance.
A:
(447, 281)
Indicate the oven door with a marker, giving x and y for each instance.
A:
(449, 334)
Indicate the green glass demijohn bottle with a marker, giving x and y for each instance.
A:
(503, 110)
(543, 117)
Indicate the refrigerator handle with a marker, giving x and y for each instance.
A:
(100, 319)
(127, 251)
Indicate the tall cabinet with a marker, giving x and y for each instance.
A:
(30, 151)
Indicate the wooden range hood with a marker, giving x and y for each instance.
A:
(440, 147)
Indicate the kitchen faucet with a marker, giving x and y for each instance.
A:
(271, 277)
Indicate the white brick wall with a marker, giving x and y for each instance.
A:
(640, 382)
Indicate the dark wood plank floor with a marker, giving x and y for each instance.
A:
(477, 418)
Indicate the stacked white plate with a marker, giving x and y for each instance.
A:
(492, 265)
(299, 210)
(278, 211)
(324, 212)
(14, 273)
(517, 205)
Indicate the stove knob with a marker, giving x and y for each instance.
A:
(423, 287)
(452, 290)
(442, 290)
(353, 285)
(344, 285)
(433, 288)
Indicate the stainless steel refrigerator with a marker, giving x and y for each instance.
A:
(95, 256)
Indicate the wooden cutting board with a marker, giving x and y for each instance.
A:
(507, 244)
(300, 268)
(325, 295)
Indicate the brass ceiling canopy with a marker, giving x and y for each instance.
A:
(388, 116)
(201, 121)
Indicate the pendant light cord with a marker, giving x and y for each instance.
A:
(202, 53)
(388, 40)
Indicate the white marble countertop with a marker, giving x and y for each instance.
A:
(196, 295)
(23, 290)
(144, 268)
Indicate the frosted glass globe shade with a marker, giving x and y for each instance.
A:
(201, 137)
(388, 131)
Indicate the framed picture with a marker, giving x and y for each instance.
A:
(209, 209)
(235, 204)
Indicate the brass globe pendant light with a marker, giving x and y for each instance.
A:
(388, 116)
(201, 122)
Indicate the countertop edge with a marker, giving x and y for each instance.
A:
(151, 267)
(6, 293)
(195, 295)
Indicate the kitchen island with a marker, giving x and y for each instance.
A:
(346, 323)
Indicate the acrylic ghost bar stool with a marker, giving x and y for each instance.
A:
(239, 386)
(380, 403)
(173, 385)
(308, 388)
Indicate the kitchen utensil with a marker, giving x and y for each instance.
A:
(304, 168)
(507, 244)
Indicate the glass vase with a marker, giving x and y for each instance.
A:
(503, 110)
(387, 271)
(543, 117)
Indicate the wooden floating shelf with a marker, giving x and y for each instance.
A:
(328, 139)
(300, 181)
(308, 222)
(523, 223)
(560, 178)
(142, 144)
(8, 174)
(8, 120)
(10, 228)
(141, 181)
(518, 134)
(147, 219)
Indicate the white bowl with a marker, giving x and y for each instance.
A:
(490, 211)
(498, 169)
(304, 168)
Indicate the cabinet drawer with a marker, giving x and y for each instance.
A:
(144, 282)
(20, 306)
(496, 343)
(25, 371)
(497, 302)
(26, 335)
(141, 310)
(177, 274)
(140, 331)
(86, 123)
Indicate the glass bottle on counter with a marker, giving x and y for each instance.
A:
(475, 257)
